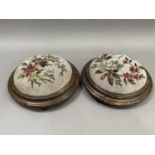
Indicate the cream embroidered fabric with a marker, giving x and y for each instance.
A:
(42, 75)
(117, 73)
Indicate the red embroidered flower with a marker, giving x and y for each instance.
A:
(126, 75)
(125, 60)
(134, 68)
(29, 69)
(137, 76)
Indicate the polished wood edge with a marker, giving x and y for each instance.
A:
(47, 102)
(113, 99)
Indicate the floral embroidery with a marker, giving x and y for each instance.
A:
(109, 69)
(36, 74)
(133, 73)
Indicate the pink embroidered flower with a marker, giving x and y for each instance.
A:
(134, 68)
(29, 69)
(125, 61)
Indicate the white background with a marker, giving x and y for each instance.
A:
(78, 41)
(77, 144)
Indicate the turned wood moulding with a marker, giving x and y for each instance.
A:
(43, 81)
(116, 80)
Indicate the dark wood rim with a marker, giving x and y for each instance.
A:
(45, 101)
(114, 99)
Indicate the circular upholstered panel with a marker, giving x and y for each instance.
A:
(116, 79)
(118, 73)
(42, 75)
(43, 80)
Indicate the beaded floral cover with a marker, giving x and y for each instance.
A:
(42, 75)
(118, 73)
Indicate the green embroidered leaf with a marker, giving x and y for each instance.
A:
(142, 76)
(131, 81)
(98, 72)
(39, 71)
(24, 64)
(63, 69)
(130, 61)
(94, 66)
(103, 76)
(108, 57)
(118, 82)
(115, 75)
(21, 76)
(47, 80)
(97, 59)
(110, 79)
(125, 81)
